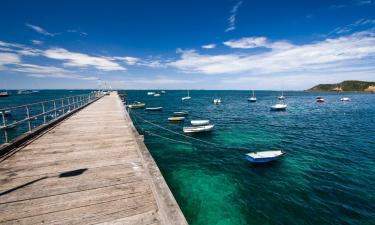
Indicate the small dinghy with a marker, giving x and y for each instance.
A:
(199, 122)
(182, 113)
(345, 99)
(279, 107)
(154, 108)
(136, 105)
(176, 118)
(264, 156)
(198, 129)
(156, 95)
(320, 99)
(217, 101)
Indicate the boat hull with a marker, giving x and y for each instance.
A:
(263, 160)
(155, 109)
(199, 122)
(198, 129)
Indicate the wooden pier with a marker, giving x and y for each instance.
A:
(91, 168)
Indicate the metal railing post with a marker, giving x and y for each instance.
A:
(69, 103)
(28, 117)
(62, 106)
(5, 127)
(44, 114)
(54, 108)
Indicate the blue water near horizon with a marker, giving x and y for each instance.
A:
(326, 177)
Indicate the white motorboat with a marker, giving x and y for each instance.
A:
(156, 95)
(186, 97)
(150, 93)
(198, 129)
(199, 122)
(182, 113)
(4, 94)
(264, 156)
(252, 98)
(154, 108)
(217, 101)
(176, 118)
(345, 99)
(163, 92)
(279, 107)
(320, 99)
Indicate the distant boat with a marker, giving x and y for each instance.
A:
(281, 97)
(24, 92)
(217, 101)
(264, 156)
(320, 99)
(345, 99)
(182, 113)
(4, 94)
(150, 93)
(186, 97)
(252, 98)
(198, 129)
(136, 105)
(154, 108)
(163, 92)
(176, 118)
(199, 122)
(279, 107)
(156, 95)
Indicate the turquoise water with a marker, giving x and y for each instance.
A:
(327, 176)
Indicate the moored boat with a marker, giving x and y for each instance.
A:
(199, 122)
(198, 129)
(186, 97)
(279, 107)
(24, 92)
(320, 99)
(345, 99)
(4, 94)
(136, 105)
(252, 98)
(217, 101)
(154, 108)
(156, 95)
(281, 97)
(264, 156)
(163, 92)
(182, 113)
(150, 93)
(176, 118)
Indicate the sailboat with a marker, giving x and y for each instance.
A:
(252, 98)
(281, 97)
(186, 97)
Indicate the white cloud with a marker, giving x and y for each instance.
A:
(127, 59)
(320, 56)
(232, 17)
(36, 42)
(74, 59)
(9, 58)
(76, 31)
(209, 46)
(40, 30)
(256, 42)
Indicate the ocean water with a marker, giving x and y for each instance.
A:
(326, 177)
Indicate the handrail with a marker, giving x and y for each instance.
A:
(49, 108)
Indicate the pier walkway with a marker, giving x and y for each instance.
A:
(91, 168)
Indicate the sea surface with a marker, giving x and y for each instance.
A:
(326, 177)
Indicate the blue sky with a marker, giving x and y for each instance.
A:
(228, 44)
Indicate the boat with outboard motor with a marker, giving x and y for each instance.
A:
(264, 156)
(198, 129)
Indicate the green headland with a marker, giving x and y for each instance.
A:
(348, 85)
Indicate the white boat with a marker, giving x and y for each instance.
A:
(24, 92)
(186, 97)
(217, 101)
(264, 156)
(320, 99)
(281, 97)
(163, 92)
(199, 122)
(154, 108)
(345, 99)
(4, 94)
(279, 107)
(176, 118)
(156, 95)
(252, 98)
(198, 129)
(182, 113)
(150, 93)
